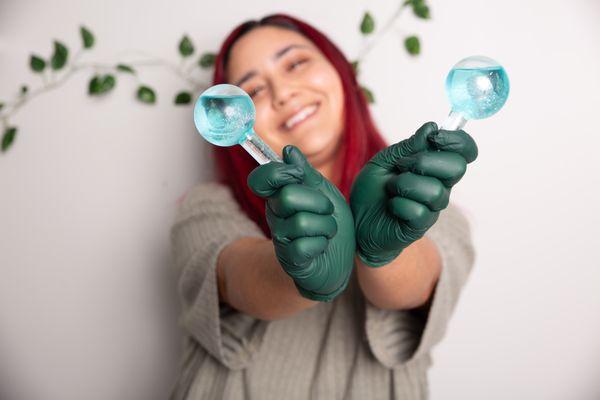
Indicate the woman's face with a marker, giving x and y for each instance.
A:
(297, 93)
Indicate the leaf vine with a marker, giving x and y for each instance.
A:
(62, 64)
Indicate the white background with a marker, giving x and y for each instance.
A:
(87, 193)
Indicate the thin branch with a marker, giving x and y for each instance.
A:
(54, 83)
(53, 79)
(388, 25)
(153, 60)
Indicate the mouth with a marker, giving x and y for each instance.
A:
(300, 117)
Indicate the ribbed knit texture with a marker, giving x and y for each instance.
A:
(346, 349)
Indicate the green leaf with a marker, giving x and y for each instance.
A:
(8, 137)
(412, 45)
(101, 84)
(86, 37)
(207, 60)
(186, 48)
(367, 25)
(1, 106)
(368, 94)
(24, 89)
(60, 56)
(421, 10)
(36, 63)
(146, 95)
(355, 66)
(125, 68)
(183, 98)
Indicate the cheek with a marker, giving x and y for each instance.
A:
(331, 85)
(265, 127)
(264, 119)
(326, 80)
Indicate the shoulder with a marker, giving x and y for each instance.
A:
(207, 197)
(452, 220)
(207, 191)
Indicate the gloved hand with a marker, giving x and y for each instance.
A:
(399, 193)
(311, 224)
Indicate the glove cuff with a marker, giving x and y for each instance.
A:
(309, 294)
(376, 262)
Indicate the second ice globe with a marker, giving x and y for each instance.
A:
(223, 114)
(477, 87)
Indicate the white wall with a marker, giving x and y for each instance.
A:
(87, 305)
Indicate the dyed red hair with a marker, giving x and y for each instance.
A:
(361, 138)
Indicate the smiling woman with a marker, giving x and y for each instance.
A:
(267, 256)
(297, 92)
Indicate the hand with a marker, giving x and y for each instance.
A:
(399, 193)
(311, 224)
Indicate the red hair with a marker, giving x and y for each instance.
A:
(361, 139)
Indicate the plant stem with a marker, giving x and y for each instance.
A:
(53, 83)
(158, 61)
(388, 25)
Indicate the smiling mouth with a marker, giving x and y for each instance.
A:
(300, 117)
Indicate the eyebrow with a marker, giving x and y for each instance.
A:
(276, 56)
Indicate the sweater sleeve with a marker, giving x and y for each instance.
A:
(396, 337)
(207, 219)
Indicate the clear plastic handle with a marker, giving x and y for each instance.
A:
(454, 121)
(258, 149)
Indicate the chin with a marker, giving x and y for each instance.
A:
(318, 153)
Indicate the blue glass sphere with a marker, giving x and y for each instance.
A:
(223, 114)
(477, 87)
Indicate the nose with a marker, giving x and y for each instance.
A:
(282, 92)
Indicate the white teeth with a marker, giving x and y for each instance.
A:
(300, 116)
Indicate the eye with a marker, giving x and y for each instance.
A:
(254, 91)
(295, 64)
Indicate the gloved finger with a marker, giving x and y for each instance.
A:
(423, 189)
(303, 224)
(295, 197)
(447, 166)
(302, 251)
(293, 156)
(414, 214)
(266, 179)
(457, 141)
(418, 142)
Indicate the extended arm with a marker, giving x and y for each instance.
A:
(405, 283)
(251, 280)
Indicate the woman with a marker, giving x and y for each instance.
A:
(291, 288)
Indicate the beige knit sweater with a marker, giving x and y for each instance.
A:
(346, 349)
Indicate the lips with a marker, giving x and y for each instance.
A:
(299, 117)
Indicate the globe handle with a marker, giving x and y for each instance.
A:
(454, 121)
(258, 149)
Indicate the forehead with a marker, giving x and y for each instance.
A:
(258, 47)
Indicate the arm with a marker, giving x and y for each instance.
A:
(396, 198)
(251, 280)
(405, 283)
(396, 337)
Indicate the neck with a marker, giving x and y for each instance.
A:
(330, 168)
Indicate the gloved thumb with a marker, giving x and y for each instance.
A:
(388, 157)
(292, 155)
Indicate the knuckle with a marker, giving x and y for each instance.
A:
(438, 191)
(286, 193)
(419, 213)
(301, 222)
(461, 166)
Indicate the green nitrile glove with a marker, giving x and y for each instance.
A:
(398, 194)
(311, 224)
